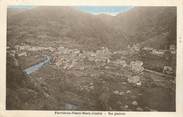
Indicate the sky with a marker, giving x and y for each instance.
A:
(110, 10)
(21, 6)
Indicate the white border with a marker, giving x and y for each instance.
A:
(179, 81)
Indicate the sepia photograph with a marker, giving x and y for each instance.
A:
(91, 58)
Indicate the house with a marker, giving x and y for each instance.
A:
(22, 54)
(172, 49)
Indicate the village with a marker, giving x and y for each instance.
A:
(75, 58)
(110, 80)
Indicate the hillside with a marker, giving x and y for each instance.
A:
(144, 23)
(58, 25)
(62, 24)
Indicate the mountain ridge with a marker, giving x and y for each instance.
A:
(93, 31)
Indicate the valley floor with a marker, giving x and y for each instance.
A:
(76, 80)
